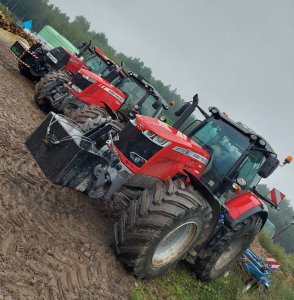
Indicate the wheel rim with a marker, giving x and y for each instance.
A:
(173, 244)
(231, 252)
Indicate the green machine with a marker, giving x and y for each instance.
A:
(55, 39)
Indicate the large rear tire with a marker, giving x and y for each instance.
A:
(40, 88)
(159, 228)
(218, 256)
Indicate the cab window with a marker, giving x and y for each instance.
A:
(96, 63)
(249, 168)
(147, 109)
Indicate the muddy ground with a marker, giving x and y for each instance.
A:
(55, 243)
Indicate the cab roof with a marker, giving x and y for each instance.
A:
(139, 78)
(241, 127)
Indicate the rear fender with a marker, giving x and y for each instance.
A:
(244, 206)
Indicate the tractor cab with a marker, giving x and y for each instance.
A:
(96, 63)
(99, 63)
(237, 154)
(118, 92)
(141, 97)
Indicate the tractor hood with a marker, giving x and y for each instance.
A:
(170, 134)
(94, 77)
(94, 90)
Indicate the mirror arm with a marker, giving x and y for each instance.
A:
(264, 198)
(264, 150)
(203, 112)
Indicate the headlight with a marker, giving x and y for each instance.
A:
(156, 139)
(75, 88)
(162, 118)
(150, 134)
(88, 78)
(51, 57)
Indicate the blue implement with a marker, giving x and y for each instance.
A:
(257, 267)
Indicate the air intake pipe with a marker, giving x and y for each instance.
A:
(83, 48)
(185, 112)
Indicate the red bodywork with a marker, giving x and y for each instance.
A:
(242, 204)
(100, 53)
(100, 92)
(169, 162)
(74, 64)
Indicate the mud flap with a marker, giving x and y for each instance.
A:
(65, 155)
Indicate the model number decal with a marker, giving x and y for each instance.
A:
(191, 154)
(111, 92)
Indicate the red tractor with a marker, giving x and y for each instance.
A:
(35, 62)
(88, 97)
(188, 195)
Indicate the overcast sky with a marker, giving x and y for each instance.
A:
(237, 55)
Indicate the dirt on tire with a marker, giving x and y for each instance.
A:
(55, 243)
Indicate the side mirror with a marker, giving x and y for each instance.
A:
(82, 45)
(196, 99)
(182, 109)
(156, 104)
(268, 167)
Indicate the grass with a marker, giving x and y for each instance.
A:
(181, 283)
(286, 261)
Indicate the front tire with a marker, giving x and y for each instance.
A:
(25, 71)
(28, 72)
(218, 256)
(159, 228)
(90, 117)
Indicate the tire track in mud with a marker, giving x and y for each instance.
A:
(54, 242)
(78, 266)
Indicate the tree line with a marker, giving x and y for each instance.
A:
(77, 31)
(281, 218)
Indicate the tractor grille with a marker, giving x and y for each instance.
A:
(131, 140)
(62, 58)
(80, 82)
